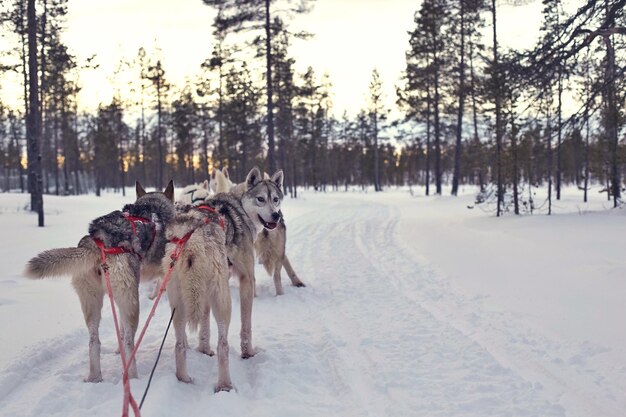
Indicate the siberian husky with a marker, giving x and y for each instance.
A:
(138, 233)
(194, 194)
(199, 283)
(245, 217)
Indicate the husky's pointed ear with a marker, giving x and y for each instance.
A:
(205, 184)
(277, 178)
(225, 172)
(213, 173)
(139, 189)
(169, 191)
(253, 178)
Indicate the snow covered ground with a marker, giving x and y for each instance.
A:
(414, 306)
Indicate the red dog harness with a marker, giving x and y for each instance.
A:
(129, 400)
(116, 250)
(180, 241)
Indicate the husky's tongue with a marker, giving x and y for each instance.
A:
(268, 225)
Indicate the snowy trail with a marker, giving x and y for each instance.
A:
(377, 332)
(399, 358)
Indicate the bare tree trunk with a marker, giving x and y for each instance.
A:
(437, 133)
(377, 186)
(120, 138)
(159, 184)
(205, 150)
(143, 136)
(459, 120)
(66, 145)
(612, 116)
(16, 144)
(270, 91)
(549, 150)
(559, 136)
(33, 125)
(514, 131)
(428, 143)
(24, 58)
(475, 116)
(498, 109)
(55, 152)
(586, 184)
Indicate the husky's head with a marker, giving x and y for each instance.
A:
(263, 198)
(155, 205)
(194, 194)
(220, 181)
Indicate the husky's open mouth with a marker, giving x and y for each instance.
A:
(268, 226)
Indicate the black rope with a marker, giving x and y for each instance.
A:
(157, 359)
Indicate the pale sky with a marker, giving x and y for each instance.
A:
(352, 37)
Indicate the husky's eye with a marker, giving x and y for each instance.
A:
(260, 199)
(275, 199)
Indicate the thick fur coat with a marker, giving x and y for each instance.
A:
(199, 284)
(84, 264)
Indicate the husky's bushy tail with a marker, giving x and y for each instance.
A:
(62, 261)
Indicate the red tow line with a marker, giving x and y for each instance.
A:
(129, 400)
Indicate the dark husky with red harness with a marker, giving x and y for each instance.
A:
(131, 239)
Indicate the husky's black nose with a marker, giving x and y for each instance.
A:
(276, 216)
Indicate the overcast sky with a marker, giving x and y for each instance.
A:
(352, 37)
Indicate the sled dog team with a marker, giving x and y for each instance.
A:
(223, 224)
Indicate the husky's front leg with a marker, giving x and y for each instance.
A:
(91, 295)
(246, 295)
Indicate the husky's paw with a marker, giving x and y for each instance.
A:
(248, 353)
(206, 350)
(93, 378)
(184, 378)
(297, 283)
(223, 386)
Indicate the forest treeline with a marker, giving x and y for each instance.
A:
(473, 112)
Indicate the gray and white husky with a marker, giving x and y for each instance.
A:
(270, 248)
(220, 181)
(245, 217)
(139, 231)
(194, 194)
(199, 283)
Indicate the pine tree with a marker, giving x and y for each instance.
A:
(255, 15)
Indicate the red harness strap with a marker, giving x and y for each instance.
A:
(133, 219)
(128, 396)
(129, 400)
(116, 250)
(211, 210)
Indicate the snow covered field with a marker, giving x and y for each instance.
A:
(414, 306)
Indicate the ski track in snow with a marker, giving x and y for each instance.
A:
(377, 332)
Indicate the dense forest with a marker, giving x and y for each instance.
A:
(473, 112)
